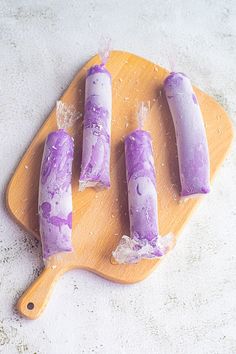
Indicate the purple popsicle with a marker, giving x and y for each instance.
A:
(142, 196)
(95, 167)
(193, 155)
(55, 196)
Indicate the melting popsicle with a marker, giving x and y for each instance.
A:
(193, 155)
(95, 167)
(142, 197)
(55, 196)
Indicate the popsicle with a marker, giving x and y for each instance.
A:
(95, 167)
(55, 196)
(193, 155)
(145, 241)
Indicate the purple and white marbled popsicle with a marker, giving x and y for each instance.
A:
(142, 196)
(190, 132)
(95, 168)
(55, 197)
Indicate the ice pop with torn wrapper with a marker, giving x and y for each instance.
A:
(144, 240)
(55, 196)
(193, 155)
(95, 167)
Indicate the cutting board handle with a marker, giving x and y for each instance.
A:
(35, 298)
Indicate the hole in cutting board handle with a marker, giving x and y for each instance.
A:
(30, 306)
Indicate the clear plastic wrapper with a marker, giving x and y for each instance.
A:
(193, 155)
(55, 196)
(95, 166)
(144, 240)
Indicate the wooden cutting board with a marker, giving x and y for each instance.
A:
(101, 218)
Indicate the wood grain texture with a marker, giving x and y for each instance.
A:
(101, 218)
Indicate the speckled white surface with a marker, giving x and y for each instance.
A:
(189, 304)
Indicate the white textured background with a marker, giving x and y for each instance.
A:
(189, 304)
